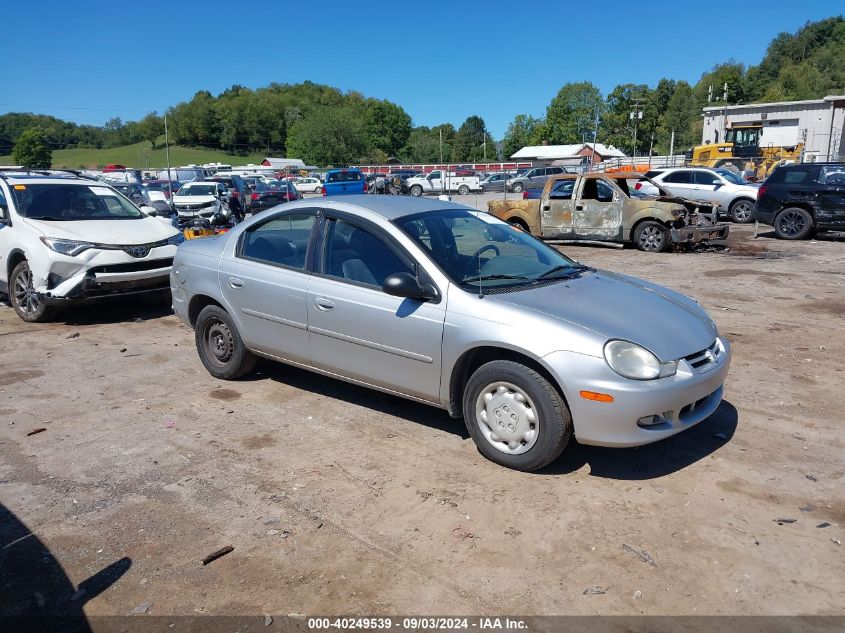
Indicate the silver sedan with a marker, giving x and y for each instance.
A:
(446, 305)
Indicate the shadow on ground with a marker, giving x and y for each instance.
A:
(36, 593)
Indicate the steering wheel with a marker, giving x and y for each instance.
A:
(475, 259)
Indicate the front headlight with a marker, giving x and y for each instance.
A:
(678, 213)
(176, 239)
(66, 247)
(636, 362)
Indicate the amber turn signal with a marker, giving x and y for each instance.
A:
(598, 397)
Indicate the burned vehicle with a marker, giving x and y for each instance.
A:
(603, 208)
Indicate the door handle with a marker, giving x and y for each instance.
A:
(579, 207)
(234, 282)
(547, 206)
(323, 304)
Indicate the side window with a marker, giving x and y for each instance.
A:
(795, 176)
(434, 175)
(833, 175)
(563, 190)
(706, 178)
(679, 178)
(597, 190)
(355, 254)
(281, 241)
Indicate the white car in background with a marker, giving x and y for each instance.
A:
(65, 239)
(735, 197)
(201, 199)
(308, 185)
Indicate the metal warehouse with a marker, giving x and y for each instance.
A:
(817, 123)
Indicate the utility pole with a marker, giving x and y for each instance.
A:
(672, 147)
(636, 117)
(441, 146)
(595, 137)
(650, 147)
(167, 153)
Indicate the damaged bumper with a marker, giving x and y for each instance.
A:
(696, 234)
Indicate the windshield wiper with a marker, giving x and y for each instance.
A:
(491, 277)
(571, 268)
(46, 218)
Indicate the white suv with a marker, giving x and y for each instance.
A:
(65, 239)
(733, 195)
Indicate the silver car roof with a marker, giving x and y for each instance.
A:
(388, 207)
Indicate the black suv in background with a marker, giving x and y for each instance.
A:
(800, 199)
(239, 191)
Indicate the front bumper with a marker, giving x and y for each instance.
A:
(681, 401)
(696, 234)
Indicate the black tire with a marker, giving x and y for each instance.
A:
(220, 346)
(26, 302)
(793, 223)
(482, 189)
(416, 191)
(463, 190)
(742, 211)
(651, 236)
(517, 187)
(553, 419)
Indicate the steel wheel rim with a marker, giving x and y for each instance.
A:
(651, 238)
(507, 418)
(25, 296)
(791, 223)
(219, 341)
(742, 211)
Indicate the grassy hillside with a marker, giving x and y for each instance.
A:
(141, 155)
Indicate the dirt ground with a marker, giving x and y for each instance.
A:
(341, 500)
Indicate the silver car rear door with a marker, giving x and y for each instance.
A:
(266, 283)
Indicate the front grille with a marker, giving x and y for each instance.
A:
(133, 267)
(688, 411)
(702, 361)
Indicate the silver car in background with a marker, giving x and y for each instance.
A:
(446, 305)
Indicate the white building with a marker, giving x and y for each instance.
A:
(817, 123)
(577, 153)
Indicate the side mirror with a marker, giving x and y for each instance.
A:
(151, 212)
(4, 212)
(717, 186)
(406, 285)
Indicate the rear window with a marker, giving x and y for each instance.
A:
(344, 176)
(791, 176)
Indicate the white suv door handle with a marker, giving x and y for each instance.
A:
(323, 304)
(234, 282)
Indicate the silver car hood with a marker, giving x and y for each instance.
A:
(666, 322)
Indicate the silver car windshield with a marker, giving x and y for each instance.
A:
(66, 202)
(475, 249)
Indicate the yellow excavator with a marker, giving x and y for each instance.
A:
(742, 150)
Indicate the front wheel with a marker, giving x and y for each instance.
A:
(793, 224)
(515, 416)
(517, 187)
(26, 301)
(742, 211)
(220, 346)
(651, 237)
(416, 191)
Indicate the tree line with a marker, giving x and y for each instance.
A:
(325, 126)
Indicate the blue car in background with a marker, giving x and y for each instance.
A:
(339, 182)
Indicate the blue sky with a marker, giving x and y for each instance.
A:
(453, 59)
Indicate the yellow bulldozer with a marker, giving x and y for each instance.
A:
(742, 150)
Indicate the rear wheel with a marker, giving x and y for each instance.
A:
(517, 187)
(463, 190)
(515, 416)
(651, 236)
(742, 211)
(220, 346)
(793, 224)
(26, 301)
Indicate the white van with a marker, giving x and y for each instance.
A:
(438, 182)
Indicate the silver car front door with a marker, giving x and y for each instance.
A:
(360, 332)
(266, 284)
(709, 186)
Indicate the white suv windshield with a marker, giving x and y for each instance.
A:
(59, 202)
(198, 190)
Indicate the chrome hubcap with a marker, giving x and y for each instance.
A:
(791, 223)
(25, 296)
(218, 339)
(742, 211)
(507, 418)
(651, 238)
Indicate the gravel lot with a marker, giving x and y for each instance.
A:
(341, 500)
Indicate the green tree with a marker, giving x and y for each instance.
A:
(328, 136)
(151, 127)
(571, 116)
(680, 114)
(519, 134)
(32, 150)
(388, 126)
(469, 141)
(617, 126)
